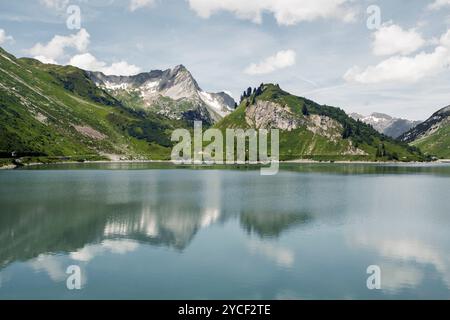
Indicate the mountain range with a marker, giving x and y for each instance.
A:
(173, 93)
(385, 124)
(51, 112)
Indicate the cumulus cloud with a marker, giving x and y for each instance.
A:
(89, 252)
(4, 37)
(50, 264)
(438, 4)
(392, 39)
(286, 12)
(405, 69)
(55, 49)
(137, 4)
(46, 60)
(400, 250)
(87, 61)
(396, 277)
(282, 256)
(280, 60)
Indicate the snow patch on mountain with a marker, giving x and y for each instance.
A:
(176, 84)
(217, 104)
(383, 123)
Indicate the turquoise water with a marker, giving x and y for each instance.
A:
(153, 231)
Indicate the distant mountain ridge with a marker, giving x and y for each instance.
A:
(173, 93)
(385, 124)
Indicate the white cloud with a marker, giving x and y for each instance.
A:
(46, 60)
(280, 60)
(137, 4)
(50, 264)
(405, 69)
(397, 249)
(4, 37)
(438, 4)
(402, 69)
(55, 49)
(396, 277)
(55, 4)
(89, 252)
(286, 12)
(282, 256)
(392, 39)
(87, 61)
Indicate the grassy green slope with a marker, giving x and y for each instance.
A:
(433, 135)
(58, 111)
(302, 143)
(437, 144)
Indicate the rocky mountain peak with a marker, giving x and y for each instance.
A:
(381, 116)
(386, 124)
(177, 84)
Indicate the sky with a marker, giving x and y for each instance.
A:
(365, 56)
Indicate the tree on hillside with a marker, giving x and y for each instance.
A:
(381, 151)
(305, 110)
(347, 131)
(259, 90)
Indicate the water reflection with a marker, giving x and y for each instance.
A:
(294, 227)
(165, 211)
(282, 256)
(270, 224)
(404, 253)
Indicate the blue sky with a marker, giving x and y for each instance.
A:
(321, 49)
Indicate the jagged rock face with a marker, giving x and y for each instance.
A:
(270, 115)
(325, 126)
(178, 83)
(383, 123)
(224, 98)
(266, 114)
(437, 121)
(173, 92)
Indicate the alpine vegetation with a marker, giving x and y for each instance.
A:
(249, 146)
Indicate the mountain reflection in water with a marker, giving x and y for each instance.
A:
(308, 232)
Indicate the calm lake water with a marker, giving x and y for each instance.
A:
(151, 231)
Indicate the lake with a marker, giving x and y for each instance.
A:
(155, 231)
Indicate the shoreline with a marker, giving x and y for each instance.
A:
(300, 161)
